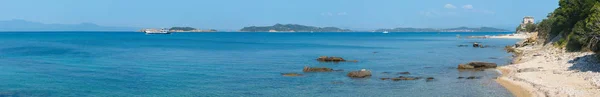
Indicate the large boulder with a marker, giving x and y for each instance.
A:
(463, 66)
(316, 69)
(477, 65)
(330, 59)
(359, 74)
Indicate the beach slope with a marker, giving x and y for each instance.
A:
(546, 71)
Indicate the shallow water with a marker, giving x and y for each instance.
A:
(242, 64)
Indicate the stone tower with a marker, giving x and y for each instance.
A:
(527, 20)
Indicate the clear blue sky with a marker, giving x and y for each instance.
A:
(235, 14)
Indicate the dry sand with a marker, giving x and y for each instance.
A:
(512, 36)
(546, 71)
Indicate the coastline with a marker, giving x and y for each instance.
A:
(546, 71)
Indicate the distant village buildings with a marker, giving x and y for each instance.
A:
(527, 20)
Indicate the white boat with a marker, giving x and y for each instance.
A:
(385, 32)
(161, 31)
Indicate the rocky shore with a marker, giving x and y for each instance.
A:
(547, 71)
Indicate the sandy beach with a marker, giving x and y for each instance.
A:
(546, 71)
(511, 36)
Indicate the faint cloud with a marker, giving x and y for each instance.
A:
(334, 14)
(327, 14)
(468, 6)
(436, 13)
(467, 9)
(449, 6)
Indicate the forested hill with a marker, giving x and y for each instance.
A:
(575, 25)
(291, 28)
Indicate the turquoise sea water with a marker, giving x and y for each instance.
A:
(242, 64)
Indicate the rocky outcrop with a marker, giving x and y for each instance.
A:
(477, 65)
(330, 59)
(359, 74)
(291, 74)
(594, 44)
(316, 69)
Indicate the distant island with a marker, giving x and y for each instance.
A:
(292, 28)
(459, 29)
(189, 29)
(23, 25)
(178, 29)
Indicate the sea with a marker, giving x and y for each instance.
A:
(245, 64)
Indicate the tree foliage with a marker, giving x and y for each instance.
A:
(183, 28)
(576, 20)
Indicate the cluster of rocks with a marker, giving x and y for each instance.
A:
(475, 45)
(363, 73)
(354, 74)
(333, 59)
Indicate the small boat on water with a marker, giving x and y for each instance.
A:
(385, 32)
(161, 31)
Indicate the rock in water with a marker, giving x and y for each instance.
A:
(291, 74)
(330, 59)
(474, 77)
(477, 65)
(405, 78)
(359, 74)
(476, 44)
(430, 79)
(462, 66)
(403, 73)
(316, 69)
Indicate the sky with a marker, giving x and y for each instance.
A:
(235, 14)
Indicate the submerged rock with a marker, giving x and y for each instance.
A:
(429, 79)
(359, 74)
(477, 65)
(330, 59)
(403, 73)
(405, 78)
(291, 74)
(316, 69)
(384, 78)
(474, 77)
(337, 82)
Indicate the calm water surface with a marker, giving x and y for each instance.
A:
(242, 64)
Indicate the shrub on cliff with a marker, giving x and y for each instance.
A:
(576, 20)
